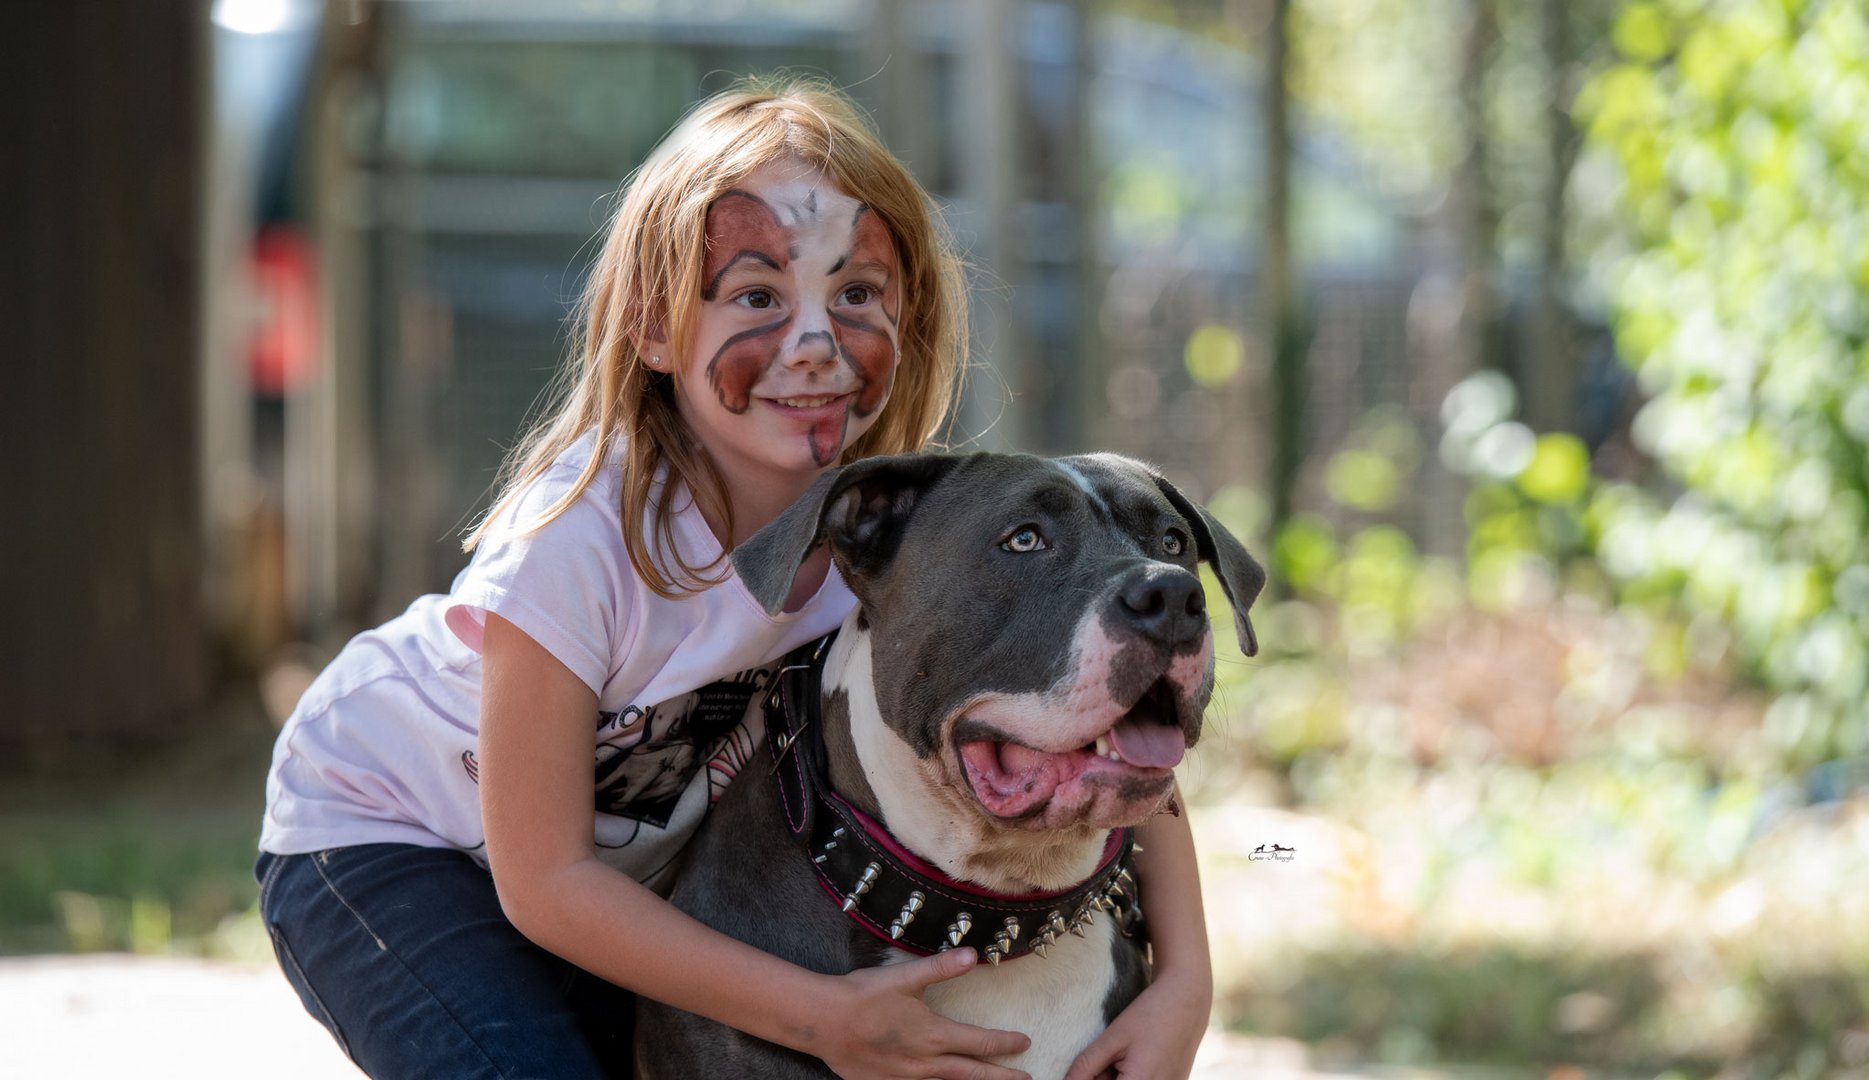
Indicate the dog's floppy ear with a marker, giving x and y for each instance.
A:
(859, 508)
(1240, 576)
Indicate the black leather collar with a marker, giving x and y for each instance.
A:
(886, 888)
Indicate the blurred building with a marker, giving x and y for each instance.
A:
(378, 214)
(1099, 174)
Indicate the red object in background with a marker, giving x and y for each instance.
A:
(283, 353)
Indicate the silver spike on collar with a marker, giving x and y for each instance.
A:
(907, 903)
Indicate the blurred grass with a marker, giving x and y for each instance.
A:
(1494, 1004)
(142, 847)
(1519, 842)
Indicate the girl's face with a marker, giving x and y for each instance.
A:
(796, 339)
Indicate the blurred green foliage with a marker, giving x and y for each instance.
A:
(1348, 59)
(1740, 130)
(143, 846)
(1607, 754)
(160, 882)
(1214, 354)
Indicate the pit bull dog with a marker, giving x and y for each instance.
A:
(961, 763)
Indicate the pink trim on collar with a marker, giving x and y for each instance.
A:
(883, 839)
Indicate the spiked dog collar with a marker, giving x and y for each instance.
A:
(886, 888)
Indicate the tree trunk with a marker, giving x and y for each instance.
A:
(1477, 224)
(1549, 382)
(989, 185)
(105, 636)
(1457, 338)
(1278, 282)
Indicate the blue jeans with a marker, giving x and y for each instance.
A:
(403, 953)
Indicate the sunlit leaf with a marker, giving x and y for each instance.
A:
(1214, 355)
(1641, 32)
(1362, 480)
(1559, 470)
(1305, 552)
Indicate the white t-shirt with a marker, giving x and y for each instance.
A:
(381, 748)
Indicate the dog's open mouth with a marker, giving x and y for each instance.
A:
(1134, 756)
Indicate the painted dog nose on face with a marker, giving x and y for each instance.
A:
(1164, 604)
(812, 349)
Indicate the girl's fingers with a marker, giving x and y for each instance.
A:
(918, 975)
(954, 1067)
(979, 1042)
(1096, 1059)
(961, 1045)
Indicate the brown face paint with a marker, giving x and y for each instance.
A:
(864, 342)
(741, 227)
(827, 439)
(741, 360)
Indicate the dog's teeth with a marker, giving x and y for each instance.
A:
(1101, 747)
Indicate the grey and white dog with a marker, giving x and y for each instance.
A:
(1030, 658)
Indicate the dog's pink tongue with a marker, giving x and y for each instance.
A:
(1149, 744)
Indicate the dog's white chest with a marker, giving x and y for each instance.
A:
(1056, 999)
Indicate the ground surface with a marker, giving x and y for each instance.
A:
(82, 1017)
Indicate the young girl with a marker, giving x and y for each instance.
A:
(440, 886)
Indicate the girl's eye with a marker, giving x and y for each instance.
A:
(758, 299)
(858, 295)
(1023, 539)
(1174, 542)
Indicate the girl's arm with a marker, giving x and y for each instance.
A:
(1158, 1034)
(535, 789)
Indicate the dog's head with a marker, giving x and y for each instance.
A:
(1038, 634)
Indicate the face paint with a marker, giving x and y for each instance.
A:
(866, 344)
(795, 347)
(742, 360)
(826, 438)
(742, 228)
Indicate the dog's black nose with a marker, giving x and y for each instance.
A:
(1165, 604)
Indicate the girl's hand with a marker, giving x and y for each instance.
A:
(1155, 1037)
(883, 1029)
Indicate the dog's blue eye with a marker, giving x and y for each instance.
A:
(1173, 542)
(1024, 539)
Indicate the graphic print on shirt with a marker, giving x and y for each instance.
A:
(736, 749)
(646, 758)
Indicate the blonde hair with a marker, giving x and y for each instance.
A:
(646, 286)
